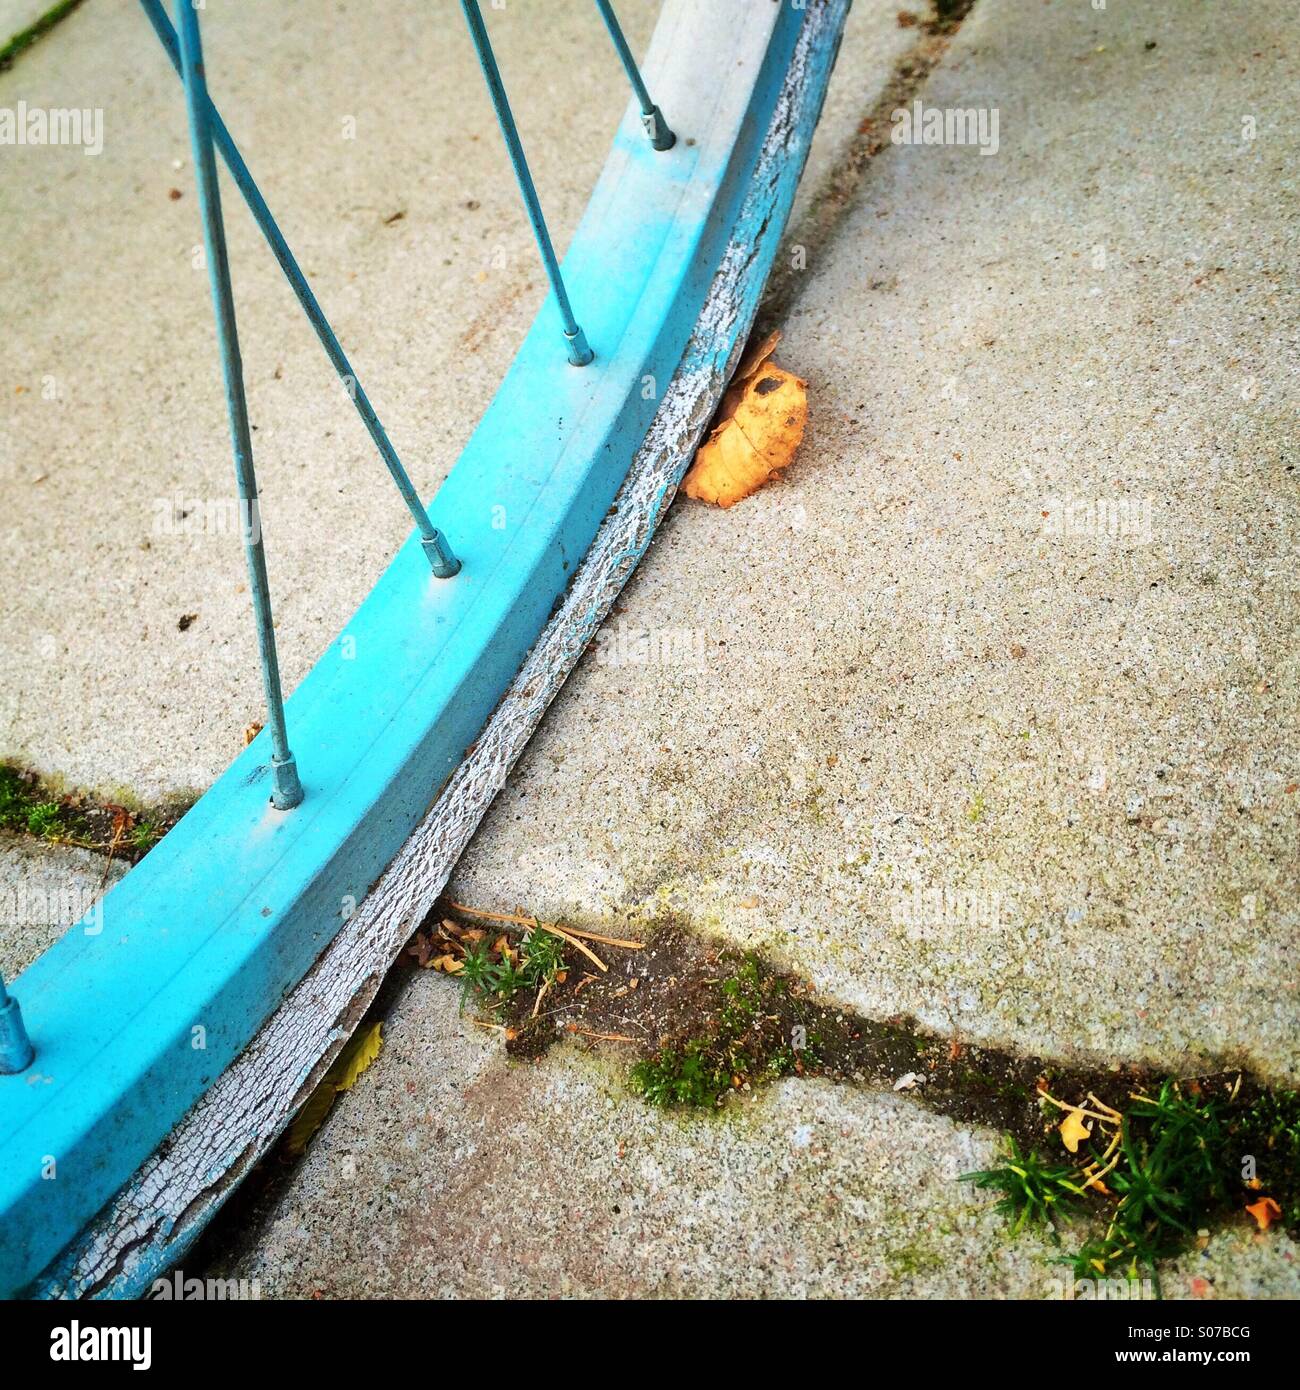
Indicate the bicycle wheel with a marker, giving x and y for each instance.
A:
(403, 740)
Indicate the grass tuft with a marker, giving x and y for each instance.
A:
(492, 975)
(1140, 1191)
(1032, 1191)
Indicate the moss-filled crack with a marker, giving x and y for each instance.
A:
(25, 38)
(1131, 1166)
(32, 807)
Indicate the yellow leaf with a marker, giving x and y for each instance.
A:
(358, 1053)
(759, 425)
(448, 964)
(357, 1056)
(1265, 1212)
(1073, 1130)
(310, 1118)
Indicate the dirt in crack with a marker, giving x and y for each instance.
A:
(1137, 1160)
(702, 1021)
(34, 808)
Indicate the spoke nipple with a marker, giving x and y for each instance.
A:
(580, 352)
(287, 792)
(16, 1051)
(657, 129)
(442, 561)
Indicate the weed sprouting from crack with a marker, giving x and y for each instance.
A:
(492, 974)
(1153, 1175)
(1033, 1191)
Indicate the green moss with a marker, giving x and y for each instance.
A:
(41, 807)
(25, 808)
(145, 836)
(24, 39)
(908, 1260)
(690, 1075)
(749, 1044)
(742, 995)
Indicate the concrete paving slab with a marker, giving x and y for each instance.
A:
(46, 890)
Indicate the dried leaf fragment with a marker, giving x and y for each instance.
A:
(760, 424)
(355, 1059)
(1074, 1130)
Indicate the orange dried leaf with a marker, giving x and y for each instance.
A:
(448, 964)
(758, 428)
(1265, 1212)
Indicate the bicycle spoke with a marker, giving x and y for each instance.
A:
(443, 563)
(580, 352)
(287, 789)
(652, 118)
